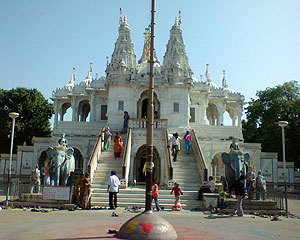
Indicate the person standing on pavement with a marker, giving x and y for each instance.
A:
(250, 179)
(113, 188)
(260, 185)
(239, 190)
(155, 195)
(35, 180)
(187, 139)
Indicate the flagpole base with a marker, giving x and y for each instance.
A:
(147, 226)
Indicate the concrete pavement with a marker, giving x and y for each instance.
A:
(95, 224)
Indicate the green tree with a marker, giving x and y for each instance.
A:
(35, 113)
(281, 103)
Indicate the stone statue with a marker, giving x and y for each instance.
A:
(235, 163)
(62, 162)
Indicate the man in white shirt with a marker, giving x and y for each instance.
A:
(209, 188)
(211, 184)
(113, 188)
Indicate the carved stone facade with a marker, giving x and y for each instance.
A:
(184, 101)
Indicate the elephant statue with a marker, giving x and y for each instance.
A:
(235, 163)
(62, 162)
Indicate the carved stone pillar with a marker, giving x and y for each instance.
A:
(93, 107)
(55, 112)
(74, 110)
(240, 113)
(233, 120)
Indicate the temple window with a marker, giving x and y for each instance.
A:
(103, 112)
(192, 114)
(176, 107)
(121, 106)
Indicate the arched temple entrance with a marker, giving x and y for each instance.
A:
(139, 162)
(84, 111)
(78, 160)
(142, 105)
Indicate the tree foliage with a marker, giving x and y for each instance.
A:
(281, 103)
(35, 113)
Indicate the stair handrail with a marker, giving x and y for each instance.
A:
(126, 156)
(93, 160)
(200, 158)
(168, 153)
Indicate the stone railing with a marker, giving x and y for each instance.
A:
(142, 123)
(92, 163)
(200, 158)
(168, 155)
(217, 132)
(78, 128)
(126, 159)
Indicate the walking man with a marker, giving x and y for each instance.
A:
(175, 146)
(239, 190)
(113, 188)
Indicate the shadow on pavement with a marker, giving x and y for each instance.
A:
(82, 238)
(217, 216)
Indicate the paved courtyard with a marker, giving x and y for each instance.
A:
(95, 224)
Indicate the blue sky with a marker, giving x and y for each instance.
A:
(257, 42)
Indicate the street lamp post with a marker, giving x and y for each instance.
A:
(283, 124)
(13, 116)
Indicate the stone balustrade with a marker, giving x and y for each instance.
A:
(142, 123)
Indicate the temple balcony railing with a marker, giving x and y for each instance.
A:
(71, 128)
(142, 123)
(217, 132)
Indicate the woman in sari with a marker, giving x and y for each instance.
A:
(86, 193)
(80, 189)
(107, 138)
(118, 145)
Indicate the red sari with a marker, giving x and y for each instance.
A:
(85, 193)
(118, 146)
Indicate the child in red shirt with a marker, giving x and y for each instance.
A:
(177, 191)
(155, 195)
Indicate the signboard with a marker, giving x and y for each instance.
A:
(280, 174)
(56, 193)
(26, 162)
(267, 169)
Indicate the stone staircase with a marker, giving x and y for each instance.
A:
(185, 170)
(185, 173)
(106, 164)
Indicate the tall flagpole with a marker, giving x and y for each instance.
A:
(148, 225)
(150, 116)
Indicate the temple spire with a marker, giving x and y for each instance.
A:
(74, 78)
(91, 66)
(120, 17)
(179, 18)
(146, 50)
(207, 74)
(224, 81)
(123, 59)
(175, 64)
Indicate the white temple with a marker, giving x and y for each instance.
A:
(182, 103)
